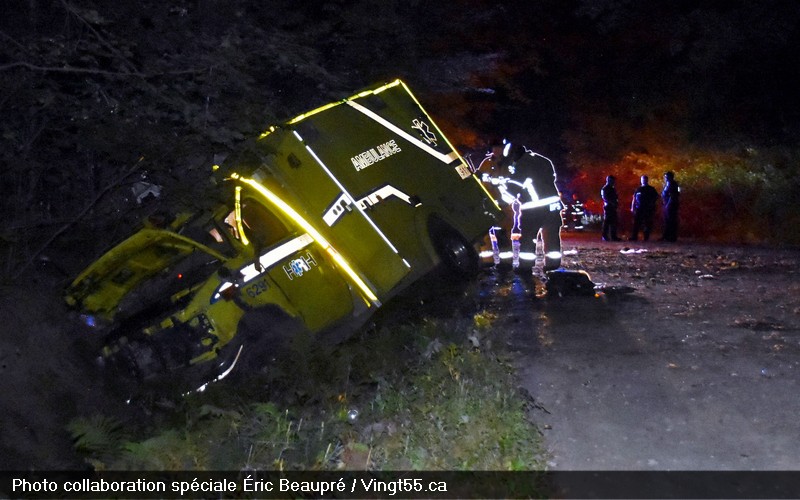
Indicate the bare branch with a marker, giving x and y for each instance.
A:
(64, 69)
(131, 67)
(130, 171)
(73, 69)
(21, 47)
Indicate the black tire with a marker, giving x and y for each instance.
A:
(456, 253)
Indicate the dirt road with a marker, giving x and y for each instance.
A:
(688, 362)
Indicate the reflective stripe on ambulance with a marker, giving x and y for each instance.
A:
(266, 261)
(347, 198)
(342, 204)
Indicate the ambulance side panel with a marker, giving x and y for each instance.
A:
(305, 181)
(393, 161)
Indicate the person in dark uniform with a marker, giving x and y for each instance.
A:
(610, 204)
(527, 184)
(671, 198)
(643, 208)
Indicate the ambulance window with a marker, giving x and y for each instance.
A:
(230, 224)
(207, 231)
(261, 226)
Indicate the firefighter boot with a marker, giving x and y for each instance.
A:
(495, 247)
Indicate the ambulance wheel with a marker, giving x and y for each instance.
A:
(456, 253)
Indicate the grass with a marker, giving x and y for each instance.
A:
(430, 395)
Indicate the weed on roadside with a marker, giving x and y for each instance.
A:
(430, 395)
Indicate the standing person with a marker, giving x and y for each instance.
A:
(527, 184)
(643, 208)
(610, 204)
(572, 214)
(671, 198)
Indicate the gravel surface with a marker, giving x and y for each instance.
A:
(686, 359)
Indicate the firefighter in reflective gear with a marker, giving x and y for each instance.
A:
(491, 172)
(526, 182)
(572, 215)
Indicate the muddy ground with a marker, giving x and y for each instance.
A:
(687, 358)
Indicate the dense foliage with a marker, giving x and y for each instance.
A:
(740, 195)
(96, 96)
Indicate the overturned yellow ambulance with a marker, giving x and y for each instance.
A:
(326, 217)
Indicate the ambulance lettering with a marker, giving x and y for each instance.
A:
(376, 154)
(297, 267)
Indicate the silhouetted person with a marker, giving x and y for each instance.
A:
(643, 208)
(610, 204)
(671, 198)
(527, 185)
